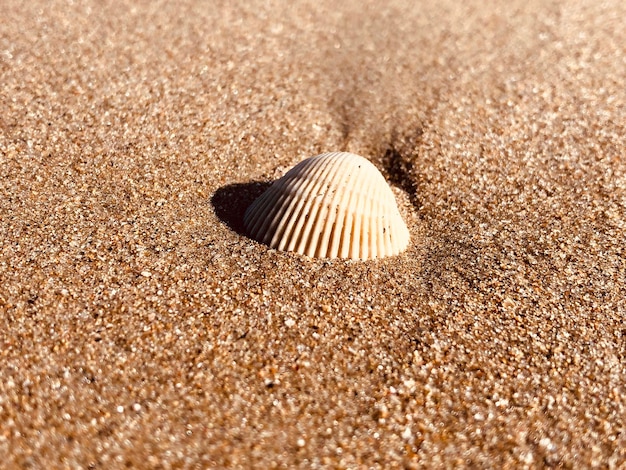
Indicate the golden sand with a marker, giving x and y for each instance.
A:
(140, 327)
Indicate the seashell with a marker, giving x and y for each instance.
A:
(331, 205)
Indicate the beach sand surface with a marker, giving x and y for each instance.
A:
(139, 325)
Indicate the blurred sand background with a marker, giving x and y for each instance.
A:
(139, 327)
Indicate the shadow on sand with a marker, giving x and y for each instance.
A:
(231, 201)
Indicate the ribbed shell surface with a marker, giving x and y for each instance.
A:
(328, 206)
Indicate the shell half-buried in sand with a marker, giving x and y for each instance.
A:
(328, 206)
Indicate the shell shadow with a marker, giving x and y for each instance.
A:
(398, 158)
(231, 201)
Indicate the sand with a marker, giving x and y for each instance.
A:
(140, 327)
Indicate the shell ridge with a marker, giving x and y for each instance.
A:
(269, 212)
(254, 216)
(347, 219)
(293, 232)
(334, 224)
(381, 230)
(387, 229)
(288, 187)
(348, 227)
(373, 219)
(339, 233)
(364, 232)
(326, 205)
(302, 228)
(299, 187)
(375, 239)
(265, 207)
(309, 244)
(364, 235)
(272, 205)
(356, 242)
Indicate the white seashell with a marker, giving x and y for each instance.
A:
(331, 205)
